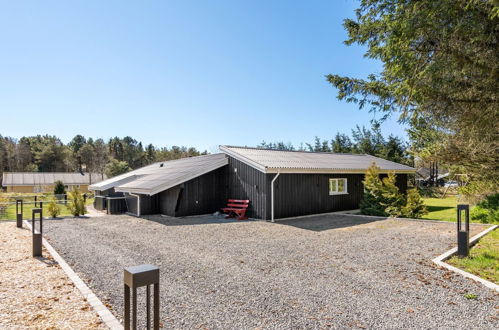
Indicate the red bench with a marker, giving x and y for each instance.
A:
(236, 208)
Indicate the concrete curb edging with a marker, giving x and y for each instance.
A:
(441, 258)
(104, 313)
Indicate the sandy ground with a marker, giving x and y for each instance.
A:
(35, 293)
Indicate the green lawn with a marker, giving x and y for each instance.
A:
(11, 211)
(444, 209)
(484, 258)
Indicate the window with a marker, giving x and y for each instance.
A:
(338, 186)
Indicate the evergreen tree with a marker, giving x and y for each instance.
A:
(341, 143)
(372, 202)
(116, 167)
(414, 207)
(393, 200)
(439, 75)
(59, 188)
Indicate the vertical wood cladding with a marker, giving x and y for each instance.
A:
(131, 203)
(295, 194)
(303, 194)
(201, 195)
(246, 182)
(401, 183)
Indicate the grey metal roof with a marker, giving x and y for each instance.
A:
(157, 177)
(273, 161)
(47, 178)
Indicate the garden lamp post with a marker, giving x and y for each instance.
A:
(463, 232)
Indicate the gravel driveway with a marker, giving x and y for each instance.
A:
(336, 271)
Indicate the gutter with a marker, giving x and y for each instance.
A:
(138, 202)
(272, 195)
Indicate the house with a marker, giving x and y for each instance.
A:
(36, 182)
(278, 183)
(431, 177)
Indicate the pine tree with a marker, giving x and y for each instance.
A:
(372, 201)
(59, 188)
(414, 207)
(393, 200)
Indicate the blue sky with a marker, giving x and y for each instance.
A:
(196, 73)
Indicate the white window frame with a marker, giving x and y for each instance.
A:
(336, 192)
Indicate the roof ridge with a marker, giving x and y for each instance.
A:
(51, 172)
(183, 158)
(304, 151)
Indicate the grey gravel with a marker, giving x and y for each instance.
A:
(338, 271)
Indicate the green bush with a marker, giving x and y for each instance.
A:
(487, 211)
(76, 203)
(53, 208)
(59, 188)
(414, 208)
(372, 201)
(393, 200)
(383, 197)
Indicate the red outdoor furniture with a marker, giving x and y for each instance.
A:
(236, 208)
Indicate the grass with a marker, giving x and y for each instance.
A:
(441, 208)
(483, 260)
(11, 210)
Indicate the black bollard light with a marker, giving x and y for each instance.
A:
(138, 276)
(463, 234)
(37, 235)
(19, 216)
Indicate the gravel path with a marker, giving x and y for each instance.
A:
(336, 271)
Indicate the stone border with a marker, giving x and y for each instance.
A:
(104, 313)
(441, 258)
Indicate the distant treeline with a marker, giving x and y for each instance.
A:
(46, 153)
(361, 141)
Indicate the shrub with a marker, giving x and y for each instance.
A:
(414, 208)
(59, 188)
(3, 205)
(77, 203)
(371, 203)
(393, 200)
(383, 197)
(487, 211)
(53, 208)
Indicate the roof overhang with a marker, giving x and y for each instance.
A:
(112, 184)
(180, 180)
(329, 171)
(290, 170)
(245, 160)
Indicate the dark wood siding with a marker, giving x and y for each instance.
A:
(401, 183)
(295, 194)
(246, 182)
(148, 204)
(131, 203)
(201, 195)
(168, 200)
(303, 194)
